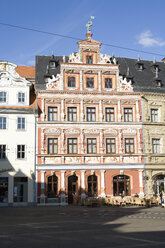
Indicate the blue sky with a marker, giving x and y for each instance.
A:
(137, 24)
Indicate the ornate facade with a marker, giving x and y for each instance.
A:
(89, 129)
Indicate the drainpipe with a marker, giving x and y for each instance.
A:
(146, 193)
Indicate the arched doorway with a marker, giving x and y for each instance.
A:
(121, 185)
(73, 189)
(159, 184)
(52, 186)
(92, 186)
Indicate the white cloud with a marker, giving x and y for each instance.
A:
(147, 39)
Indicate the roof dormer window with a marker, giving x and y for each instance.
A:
(139, 67)
(158, 83)
(52, 64)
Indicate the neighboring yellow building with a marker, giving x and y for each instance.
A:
(154, 140)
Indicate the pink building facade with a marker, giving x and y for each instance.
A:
(89, 129)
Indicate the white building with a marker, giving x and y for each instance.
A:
(17, 136)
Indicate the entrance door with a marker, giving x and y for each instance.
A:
(20, 189)
(73, 189)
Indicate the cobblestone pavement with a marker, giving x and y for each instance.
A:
(73, 226)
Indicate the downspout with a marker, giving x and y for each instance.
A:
(146, 193)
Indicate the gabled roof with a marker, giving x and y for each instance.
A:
(89, 41)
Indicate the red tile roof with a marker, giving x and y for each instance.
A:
(27, 72)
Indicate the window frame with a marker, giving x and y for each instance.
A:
(129, 146)
(4, 127)
(71, 115)
(21, 124)
(111, 145)
(71, 82)
(21, 154)
(128, 116)
(156, 147)
(2, 151)
(92, 179)
(52, 193)
(72, 145)
(105, 83)
(51, 113)
(90, 80)
(89, 59)
(154, 116)
(4, 98)
(90, 114)
(21, 97)
(52, 145)
(92, 146)
(109, 114)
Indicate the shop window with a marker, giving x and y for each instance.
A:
(52, 146)
(92, 186)
(52, 186)
(121, 185)
(72, 114)
(52, 113)
(91, 146)
(72, 146)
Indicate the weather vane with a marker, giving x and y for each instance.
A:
(89, 24)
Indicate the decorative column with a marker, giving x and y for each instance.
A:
(42, 196)
(81, 110)
(82, 141)
(83, 195)
(102, 183)
(137, 111)
(120, 144)
(101, 142)
(141, 182)
(100, 111)
(139, 144)
(62, 110)
(62, 141)
(119, 110)
(63, 200)
(81, 81)
(99, 79)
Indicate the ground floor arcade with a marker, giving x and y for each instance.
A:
(67, 186)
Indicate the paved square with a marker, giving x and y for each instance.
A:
(74, 226)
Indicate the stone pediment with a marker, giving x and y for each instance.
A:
(9, 77)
